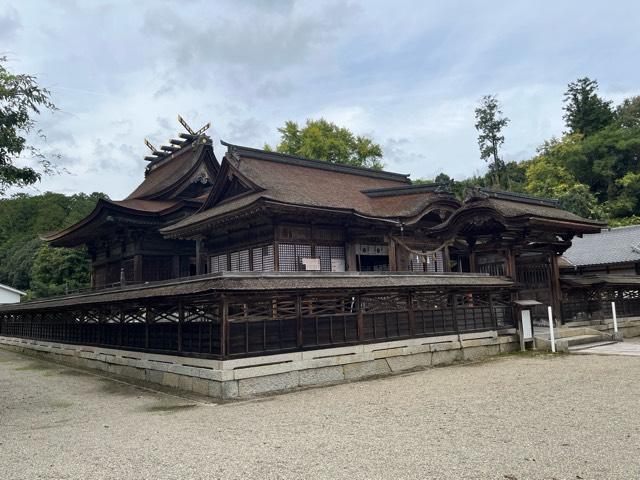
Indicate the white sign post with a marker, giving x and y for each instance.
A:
(552, 337)
(615, 317)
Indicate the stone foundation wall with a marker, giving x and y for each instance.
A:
(251, 376)
(629, 327)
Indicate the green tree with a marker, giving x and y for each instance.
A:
(57, 271)
(22, 218)
(20, 99)
(547, 177)
(628, 113)
(489, 124)
(323, 140)
(585, 111)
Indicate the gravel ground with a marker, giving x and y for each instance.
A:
(514, 417)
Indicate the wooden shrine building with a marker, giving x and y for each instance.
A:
(267, 253)
(274, 212)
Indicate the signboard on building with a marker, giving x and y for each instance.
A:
(311, 264)
(337, 265)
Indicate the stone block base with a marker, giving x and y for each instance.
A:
(247, 377)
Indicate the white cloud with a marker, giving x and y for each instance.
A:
(408, 75)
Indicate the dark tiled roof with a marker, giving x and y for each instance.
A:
(614, 245)
(265, 282)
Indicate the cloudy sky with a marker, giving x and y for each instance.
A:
(408, 74)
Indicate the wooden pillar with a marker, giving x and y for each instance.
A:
(180, 321)
(299, 336)
(472, 254)
(199, 269)
(352, 261)
(393, 260)
(175, 266)
(148, 318)
(472, 261)
(446, 259)
(276, 257)
(360, 319)
(411, 314)
(224, 329)
(511, 263)
(556, 292)
(121, 325)
(137, 268)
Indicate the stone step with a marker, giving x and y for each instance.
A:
(582, 323)
(584, 339)
(586, 346)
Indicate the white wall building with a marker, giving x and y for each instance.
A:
(9, 295)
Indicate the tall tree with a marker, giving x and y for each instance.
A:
(489, 124)
(325, 140)
(585, 112)
(20, 99)
(628, 113)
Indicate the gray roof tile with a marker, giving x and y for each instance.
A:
(615, 245)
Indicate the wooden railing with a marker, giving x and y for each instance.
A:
(216, 326)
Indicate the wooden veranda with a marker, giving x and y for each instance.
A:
(229, 315)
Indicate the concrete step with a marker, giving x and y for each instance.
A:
(582, 323)
(563, 344)
(586, 346)
(584, 339)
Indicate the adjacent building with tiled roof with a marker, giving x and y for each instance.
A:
(613, 250)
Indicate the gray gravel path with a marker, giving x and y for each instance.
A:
(515, 417)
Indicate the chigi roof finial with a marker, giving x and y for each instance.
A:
(190, 130)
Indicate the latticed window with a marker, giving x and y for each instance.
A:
(234, 261)
(244, 265)
(218, 263)
(327, 254)
(290, 256)
(263, 259)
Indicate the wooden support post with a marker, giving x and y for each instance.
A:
(492, 313)
(148, 318)
(199, 269)
(511, 263)
(137, 268)
(411, 315)
(454, 311)
(180, 321)
(556, 292)
(446, 259)
(299, 336)
(393, 259)
(360, 319)
(121, 325)
(352, 260)
(224, 329)
(175, 266)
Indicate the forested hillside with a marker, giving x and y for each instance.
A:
(26, 262)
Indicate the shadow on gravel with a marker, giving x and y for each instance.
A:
(168, 408)
(108, 385)
(38, 367)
